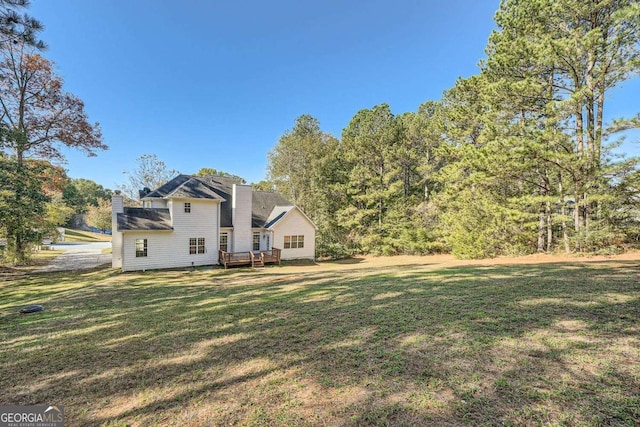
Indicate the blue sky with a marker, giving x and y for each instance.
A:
(203, 83)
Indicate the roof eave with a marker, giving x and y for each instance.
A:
(145, 230)
(205, 199)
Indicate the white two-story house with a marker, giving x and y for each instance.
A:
(188, 220)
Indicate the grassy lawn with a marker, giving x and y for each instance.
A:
(72, 236)
(38, 259)
(422, 342)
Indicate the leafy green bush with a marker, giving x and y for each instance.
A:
(600, 238)
(332, 251)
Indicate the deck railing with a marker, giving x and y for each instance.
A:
(234, 258)
(249, 258)
(272, 255)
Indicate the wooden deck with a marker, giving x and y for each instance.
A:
(252, 258)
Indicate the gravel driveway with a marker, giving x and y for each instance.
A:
(78, 256)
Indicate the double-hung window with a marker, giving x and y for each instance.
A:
(294, 242)
(196, 245)
(141, 248)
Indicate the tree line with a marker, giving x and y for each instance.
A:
(37, 118)
(513, 160)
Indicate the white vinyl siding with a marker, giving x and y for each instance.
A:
(117, 206)
(241, 218)
(295, 224)
(170, 249)
(154, 203)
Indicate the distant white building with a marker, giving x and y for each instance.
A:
(190, 219)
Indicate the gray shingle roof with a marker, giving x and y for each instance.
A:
(187, 187)
(168, 187)
(144, 219)
(263, 204)
(221, 188)
(195, 189)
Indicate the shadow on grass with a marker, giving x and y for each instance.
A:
(526, 344)
(345, 261)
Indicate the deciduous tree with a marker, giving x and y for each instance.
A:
(302, 166)
(36, 118)
(151, 173)
(37, 113)
(99, 216)
(57, 211)
(22, 207)
(217, 172)
(80, 193)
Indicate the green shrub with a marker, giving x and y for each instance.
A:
(332, 251)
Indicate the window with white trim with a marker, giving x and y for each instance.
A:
(224, 242)
(256, 241)
(196, 245)
(187, 207)
(141, 248)
(294, 242)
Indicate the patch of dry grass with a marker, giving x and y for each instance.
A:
(71, 236)
(38, 259)
(385, 341)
